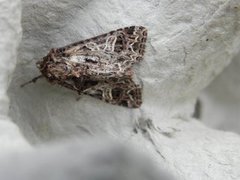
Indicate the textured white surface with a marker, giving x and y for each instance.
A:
(80, 161)
(189, 43)
(10, 30)
(221, 100)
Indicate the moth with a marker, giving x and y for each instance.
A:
(100, 67)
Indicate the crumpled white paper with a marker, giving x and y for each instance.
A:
(221, 100)
(80, 160)
(10, 30)
(189, 44)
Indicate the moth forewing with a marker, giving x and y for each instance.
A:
(100, 66)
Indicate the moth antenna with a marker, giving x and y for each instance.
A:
(32, 81)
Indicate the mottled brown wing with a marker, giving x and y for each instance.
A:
(118, 92)
(100, 67)
(110, 55)
(124, 40)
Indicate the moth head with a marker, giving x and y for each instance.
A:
(53, 67)
(41, 64)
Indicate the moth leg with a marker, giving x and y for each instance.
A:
(32, 81)
(72, 87)
(67, 85)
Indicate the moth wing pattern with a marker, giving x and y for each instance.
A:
(108, 55)
(129, 40)
(100, 66)
(118, 92)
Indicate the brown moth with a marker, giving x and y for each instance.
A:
(100, 67)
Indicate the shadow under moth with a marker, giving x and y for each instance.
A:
(100, 67)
